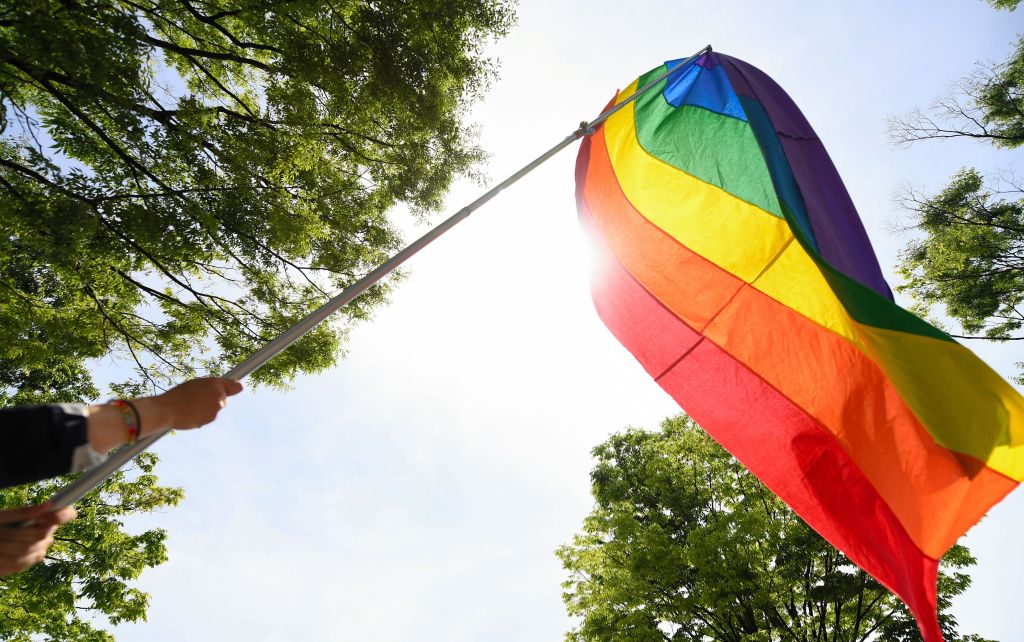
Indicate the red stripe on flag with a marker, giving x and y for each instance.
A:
(927, 486)
(795, 457)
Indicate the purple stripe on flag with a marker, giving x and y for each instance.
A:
(841, 238)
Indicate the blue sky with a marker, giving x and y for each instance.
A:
(419, 489)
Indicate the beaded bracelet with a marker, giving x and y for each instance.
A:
(131, 418)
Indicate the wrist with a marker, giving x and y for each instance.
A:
(106, 428)
(154, 414)
(131, 417)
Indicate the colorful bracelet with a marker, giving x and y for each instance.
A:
(131, 418)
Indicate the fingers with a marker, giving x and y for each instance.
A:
(21, 547)
(58, 517)
(19, 561)
(194, 403)
(21, 541)
(220, 389)
(12, 537)
(42, 516)
(222, 386)
(18, 515)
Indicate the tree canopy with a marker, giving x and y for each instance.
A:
(1004, 4)
(180, 180)
(84, 582)
(683, 544)
(987, 105)
(970, 258)
(968, 255)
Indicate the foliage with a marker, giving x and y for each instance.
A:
(1009, 5)
(987, 105)
(970, 257)
(684, 544)
(180, 180)
(87, 573)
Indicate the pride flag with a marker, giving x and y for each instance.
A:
(734, 267)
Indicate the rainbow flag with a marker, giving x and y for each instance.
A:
(734, 267)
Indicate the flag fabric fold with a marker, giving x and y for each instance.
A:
(734, 266)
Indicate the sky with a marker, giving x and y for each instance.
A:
(418, 490)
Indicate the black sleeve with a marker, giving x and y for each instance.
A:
(37, 442)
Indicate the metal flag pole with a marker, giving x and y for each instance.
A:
(96, 475)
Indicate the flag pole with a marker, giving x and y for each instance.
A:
(96, 475)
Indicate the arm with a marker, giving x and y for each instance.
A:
(190, 405)
(37, 442)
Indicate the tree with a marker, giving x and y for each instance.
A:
(969, 257)
(180, 180)
(684, 544)
(986, 105)
(85, 578)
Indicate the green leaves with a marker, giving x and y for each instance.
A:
(181, 180)
(684, 544)
(1001, 97)
(970, 257)
(987, 105)
(85, 579)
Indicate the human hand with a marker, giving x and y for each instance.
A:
(22, 547)
(188, 405)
